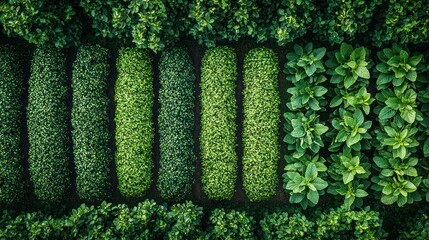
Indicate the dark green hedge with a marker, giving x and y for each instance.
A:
(12, 185)
(134, 126)
(47, 125)
(218, 126)
(176, 125)
(90, 121)
(261, 100)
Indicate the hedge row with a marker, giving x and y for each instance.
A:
(261, 102)
(218, 126)
(47, 125)
(134, 126)
(176, 125)
(90, 121)
(12, 187)
(149, 220)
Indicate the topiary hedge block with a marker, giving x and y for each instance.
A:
(218, 126)
(134, 97)
(90, 121)
(176, 125)
(47, 125)
(12, 187)
(261, 102)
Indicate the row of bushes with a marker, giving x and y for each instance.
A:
(176, 125)
(149, 220)
(90, 122)
(261, 102)
(134, 134)
(156, 24)
(218, 123)
(12, 186)
(47, 129)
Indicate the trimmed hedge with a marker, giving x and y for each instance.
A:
(218, 126)
(176, 125)
(90, 121)
(47, 125)
(261, 100)
(134, 126)
(12, 187)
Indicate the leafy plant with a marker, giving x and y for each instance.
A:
(134, 134)
(47, 126)
(348, 65)
(230, 225)
(400, 139)
(176, 125)
(353, 100)
(281, 225)
(303, 132)
(261, 102)
(218, 123)
(303, 180)
(306, 95)
(12, 185)
(90, 122)
(416, 228)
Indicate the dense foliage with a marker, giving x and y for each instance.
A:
(12, 186)
(40, 21)
(90, 122)
(416, 228)
(176, 125)
(47, 125)
(134, 134)
(218, 123)
(261, 102)
(149, 220)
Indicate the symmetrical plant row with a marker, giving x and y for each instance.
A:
(261, 101)
(176, 125)
(218, 123)
(400, 114)
(48, 135)
(134, 135)
(156, 24)
(148, 220)
(90, 122)
(12, 186)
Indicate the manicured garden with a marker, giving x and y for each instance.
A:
(201, 119)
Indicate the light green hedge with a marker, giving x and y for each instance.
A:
(176, 125)
(218, 126)
(261, 102)
(90, 121)
(47, 125)
(134, 125)
(12, 186)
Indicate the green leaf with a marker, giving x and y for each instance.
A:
(313, 196)
(347, 177)
(296, 197)
(320, 129)
(389, 199)
(386, 113)
(363, 72)
(311, 171)
(320, 184)
(298, 132)
(360, 193)
(346, 49)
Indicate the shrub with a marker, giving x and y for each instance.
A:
(230, 225)
(339, 21)
(41, 21)
(134, 126)
(281, 225)
(261, 124)
(47, 125)
(218, 126)
(12, 187)
(415, 229)
(90, 121)
(176, 125)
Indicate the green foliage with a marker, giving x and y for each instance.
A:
(133, 118)
(218, 123)
(304, 62)
(261, 124)
(147, 23)
(176, 125)
(47, 125)
(12, 187)
(41, 22)
(345, 224)
(304, 180)
(230, 225)
(415, 229)
(339, 21)
(281, 225)
(402, 21)
(90, 121)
